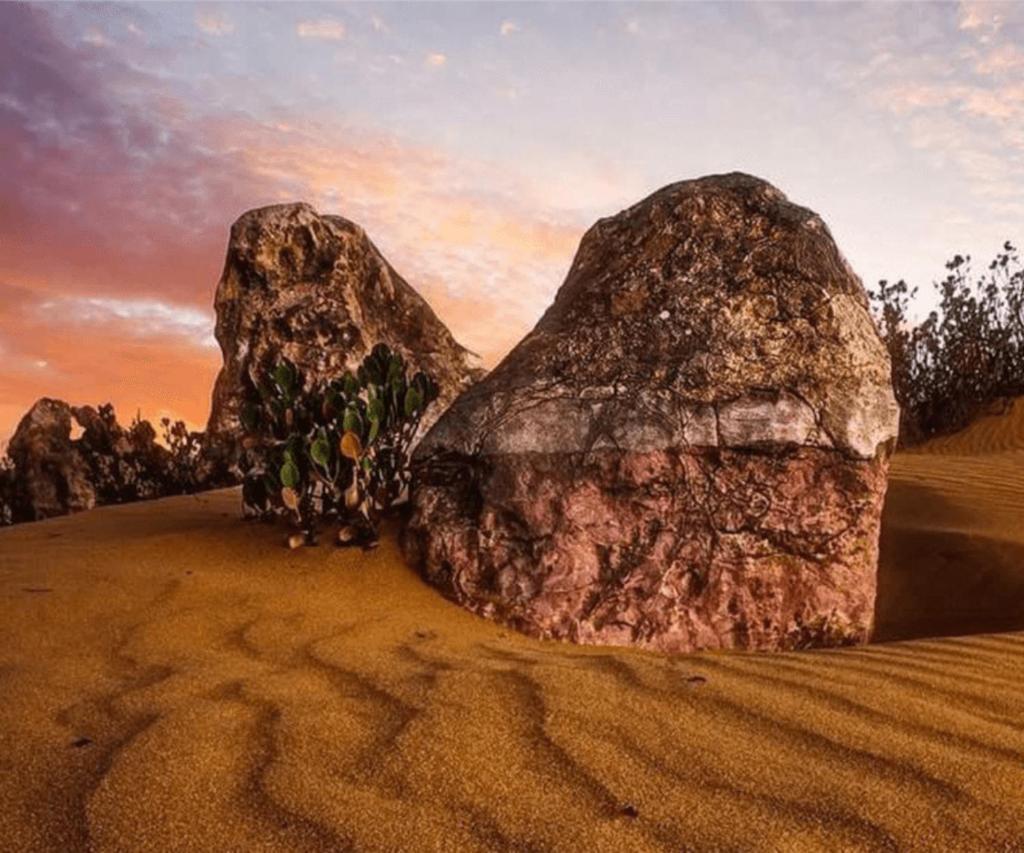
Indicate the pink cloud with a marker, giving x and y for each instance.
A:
(116, 212)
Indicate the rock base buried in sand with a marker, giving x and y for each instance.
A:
(673, 550)
(689, 450)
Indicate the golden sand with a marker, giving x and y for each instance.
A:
(172, 679)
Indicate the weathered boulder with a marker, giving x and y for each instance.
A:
(688, 451)
(315, 290)
(50, 476)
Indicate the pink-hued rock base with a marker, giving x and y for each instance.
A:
(667, 550)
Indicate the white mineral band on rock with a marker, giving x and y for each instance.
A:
(565, 425)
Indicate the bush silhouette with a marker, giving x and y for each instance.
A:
(967, 357)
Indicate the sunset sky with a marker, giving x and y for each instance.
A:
(474, 142)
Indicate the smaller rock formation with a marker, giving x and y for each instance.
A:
(49, 473)
(51, 476)
(688, 451)
(314, 289)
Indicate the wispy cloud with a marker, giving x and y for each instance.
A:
(125, 163)
(325, 29)
(1003, 58)
(128, 293)
(94, 37)
(137, 317)
(981, 15)
(215, 23)
(106, 356)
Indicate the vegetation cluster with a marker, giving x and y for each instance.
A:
(120, 464)
(966, 358)
(332, 452)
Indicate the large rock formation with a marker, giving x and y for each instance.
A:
(688, 451)
(314, 289)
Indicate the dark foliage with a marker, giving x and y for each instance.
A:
(6, 491)
(333, 451)
(186, 451)
(128, 464)
(967, 357)
(123, 464)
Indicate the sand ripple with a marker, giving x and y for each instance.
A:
(185, 684)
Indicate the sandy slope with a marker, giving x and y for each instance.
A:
(171, 679)
(953, 534)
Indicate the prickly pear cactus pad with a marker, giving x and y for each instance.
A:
(688, 451)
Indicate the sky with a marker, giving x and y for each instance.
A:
(475, 142)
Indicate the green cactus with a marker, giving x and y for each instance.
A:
(336, 451)
(320, 451)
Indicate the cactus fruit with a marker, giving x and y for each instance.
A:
(351, 446)
(290, 498)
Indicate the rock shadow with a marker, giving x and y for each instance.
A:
(935, 580)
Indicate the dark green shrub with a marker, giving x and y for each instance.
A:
(186, 449)
(125, 463)
(336, 451)
(967, 357)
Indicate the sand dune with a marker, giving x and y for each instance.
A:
(953, 534)
(991, 433)
(172, 679)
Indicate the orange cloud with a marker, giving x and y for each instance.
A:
(488, 264)
(103, 360)
(214, 24)
(107, 275)
(502, 248)
(325, 29)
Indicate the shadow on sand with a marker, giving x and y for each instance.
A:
(936, 580)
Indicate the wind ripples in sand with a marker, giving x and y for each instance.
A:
(186, 684)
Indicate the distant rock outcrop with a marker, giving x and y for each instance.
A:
(315, 290)
(688, 451)
(50, 476)
(49, 473)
